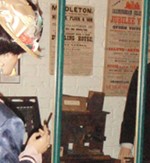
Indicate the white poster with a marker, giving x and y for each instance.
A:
(79, 39)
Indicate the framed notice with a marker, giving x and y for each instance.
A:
(122, 45)
(14, 79)
(79, 39)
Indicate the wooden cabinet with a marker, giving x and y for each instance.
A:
(83, 133)
(81, 159)
(88, 159)
(83, 137)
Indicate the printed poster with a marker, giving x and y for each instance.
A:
(79, 39)
(122, 45)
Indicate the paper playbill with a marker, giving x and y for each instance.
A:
(79, 39)
(122, 45)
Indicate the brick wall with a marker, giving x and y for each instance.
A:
(36, 81)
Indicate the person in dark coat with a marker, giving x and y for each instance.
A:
(127, 133)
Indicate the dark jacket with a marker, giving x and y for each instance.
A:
(11, 136)
(128, 125)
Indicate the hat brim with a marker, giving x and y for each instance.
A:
(18, 41)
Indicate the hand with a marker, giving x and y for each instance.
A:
(124, 153)
(40, 140)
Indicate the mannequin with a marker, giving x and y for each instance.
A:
(20, 30)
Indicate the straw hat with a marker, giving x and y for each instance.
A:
(22, 23)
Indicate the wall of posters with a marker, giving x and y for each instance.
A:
(122, 45)
(79, 39)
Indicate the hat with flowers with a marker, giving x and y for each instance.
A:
(22, 23)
